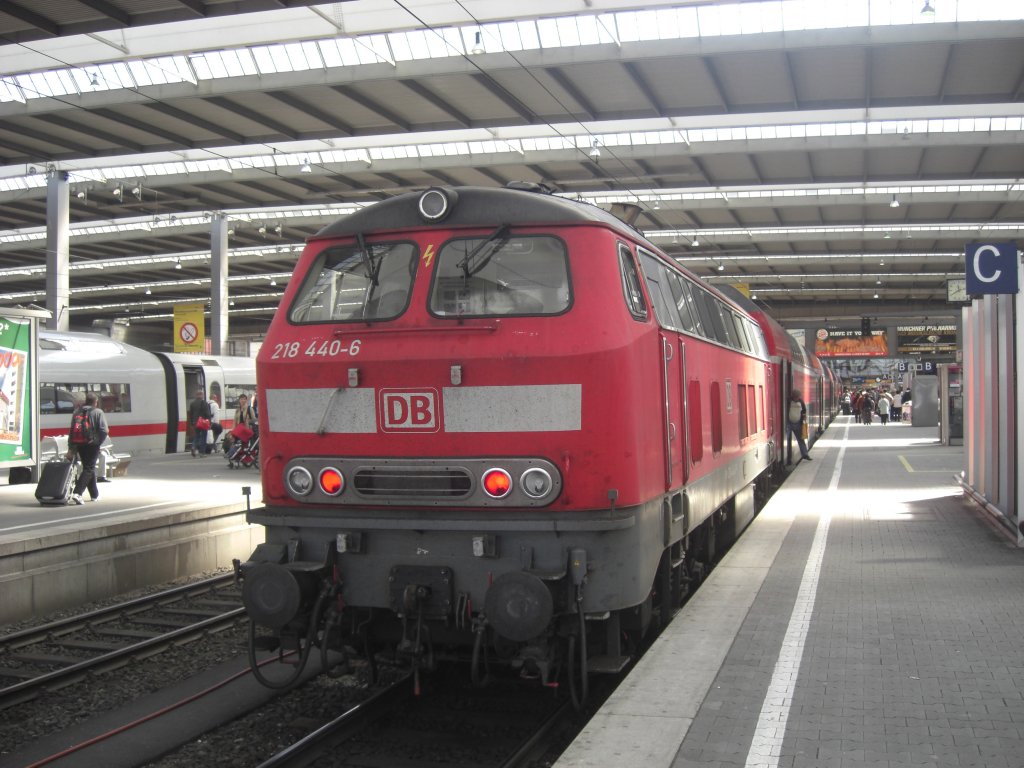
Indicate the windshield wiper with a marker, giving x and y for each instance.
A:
(371, 268)
(493, 242)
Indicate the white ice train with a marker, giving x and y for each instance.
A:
(144, 394)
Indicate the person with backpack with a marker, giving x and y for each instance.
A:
(86, 435)
(199, 419)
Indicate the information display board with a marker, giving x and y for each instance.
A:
(926, 339)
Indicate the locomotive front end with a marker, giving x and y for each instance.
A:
(444, 436)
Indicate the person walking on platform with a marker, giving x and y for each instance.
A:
(199, 419)
(884, 404)
(867, 407)
(215, 426)
(795, 419)
(86, 435)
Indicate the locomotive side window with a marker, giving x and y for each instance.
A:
(659, 284)
(501, 275)
(631, 284)
(357, 282)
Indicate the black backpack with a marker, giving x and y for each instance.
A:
(81, 428)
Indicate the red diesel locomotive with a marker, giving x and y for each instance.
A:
(500, 424)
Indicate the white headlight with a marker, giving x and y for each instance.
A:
(299, 480)
(536, 483)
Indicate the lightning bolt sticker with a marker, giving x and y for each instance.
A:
(428, 255)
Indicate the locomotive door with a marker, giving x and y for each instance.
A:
(673, 383)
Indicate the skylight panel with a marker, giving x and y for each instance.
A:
(508, 34)
(646, 25)
(373, 49)
(233, 64)
(760, 18)
(444, 42)
(548, 31)
(58, 82)
(403, 45)
(215, 64)
(709, 20)
(730, 19)
(587, 30)
(530, 35)
(279, 60)
(9, 91)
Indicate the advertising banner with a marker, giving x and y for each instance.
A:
(926, 339)
(850, 343)
(189, 328)
(16, 393)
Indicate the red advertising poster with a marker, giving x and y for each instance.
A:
(850, 343)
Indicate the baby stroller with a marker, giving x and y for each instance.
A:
(245, 449)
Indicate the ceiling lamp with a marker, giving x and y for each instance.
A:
(875, 296)
(305, 168)
(927, 10)
(721, 267)
(94, 79)
(177, 264)
(595, 151)
(695, 243)
(117, 192)
(895, 203)
(478, 44)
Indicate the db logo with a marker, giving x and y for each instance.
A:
(404, 410)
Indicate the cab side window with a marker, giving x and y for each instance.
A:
(631, 289)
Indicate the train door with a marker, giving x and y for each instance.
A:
(672, 391)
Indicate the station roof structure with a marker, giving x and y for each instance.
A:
(835, 156)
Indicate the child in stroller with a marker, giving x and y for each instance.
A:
(245, 447)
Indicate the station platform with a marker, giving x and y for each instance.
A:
(871, 615)
(170, 516)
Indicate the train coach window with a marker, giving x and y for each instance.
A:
(54, 399)
(631, 284)
(62, 398)
(501, 275)
(357, 282)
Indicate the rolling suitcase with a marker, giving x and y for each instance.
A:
(56, 481)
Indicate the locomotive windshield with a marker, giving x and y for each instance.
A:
(501, 275)
(362, 281)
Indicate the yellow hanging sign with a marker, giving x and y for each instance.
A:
(189, 328)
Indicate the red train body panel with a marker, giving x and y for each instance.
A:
(489, 413)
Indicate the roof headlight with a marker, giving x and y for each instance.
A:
(436, 203)
(300, 481)
(536, 483)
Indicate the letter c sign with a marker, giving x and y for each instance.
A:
(991, 268)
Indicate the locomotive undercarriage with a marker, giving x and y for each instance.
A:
(554, 598)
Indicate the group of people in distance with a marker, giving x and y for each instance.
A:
(89, 430)
(204, 421)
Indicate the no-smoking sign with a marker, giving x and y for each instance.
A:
(188, 332)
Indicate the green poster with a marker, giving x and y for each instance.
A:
(16, 396)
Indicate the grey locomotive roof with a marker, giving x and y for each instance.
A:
(476, 207)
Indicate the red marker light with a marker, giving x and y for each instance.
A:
(497, 483)
(332, 482)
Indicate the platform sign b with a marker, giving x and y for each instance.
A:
(991, 268)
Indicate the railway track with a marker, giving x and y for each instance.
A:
(53, 655)
(501, 726)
